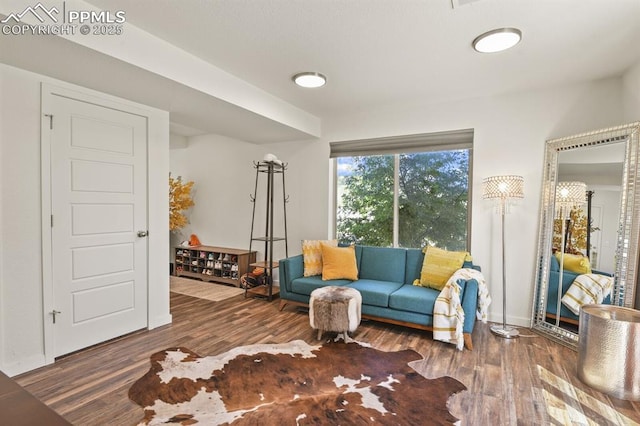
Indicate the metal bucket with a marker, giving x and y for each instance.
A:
(609, 350)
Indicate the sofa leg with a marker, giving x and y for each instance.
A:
(467, 341)
(283, 303)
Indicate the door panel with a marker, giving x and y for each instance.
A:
(91, 219)
(102, 301)
(95, 176)
(99, 202)
(89, 132)
(102, 260)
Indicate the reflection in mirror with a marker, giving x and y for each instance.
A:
(587, 222)
(566, 257)
(589, 182)
(595, 225)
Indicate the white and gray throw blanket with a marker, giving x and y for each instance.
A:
(448, 315)
(586, 289)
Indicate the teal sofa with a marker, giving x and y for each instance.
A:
(385, 280)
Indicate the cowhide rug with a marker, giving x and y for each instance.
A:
(292, 384)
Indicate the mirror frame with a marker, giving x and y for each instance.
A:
(626, 268)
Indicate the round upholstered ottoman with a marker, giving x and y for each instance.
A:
(336, 309)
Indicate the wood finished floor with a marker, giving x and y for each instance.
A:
(528, 381)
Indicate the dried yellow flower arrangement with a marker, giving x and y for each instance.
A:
(179, 200)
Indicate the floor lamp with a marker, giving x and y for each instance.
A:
(568, 196)
(502, 189)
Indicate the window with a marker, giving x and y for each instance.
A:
(410, 191)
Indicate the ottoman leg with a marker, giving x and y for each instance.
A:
(346, 337)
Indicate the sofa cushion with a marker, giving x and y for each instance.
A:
(375, 292)
(415, 258)
(339, 263)
(383, 264)
(574, 263)
(414, 298)
(307, 284)
(312, 255)
(439, 265)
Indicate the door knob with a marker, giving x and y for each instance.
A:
(142, 233)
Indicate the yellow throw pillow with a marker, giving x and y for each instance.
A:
(312, 256)
(439, 265)
(339, 263)
(575, 263)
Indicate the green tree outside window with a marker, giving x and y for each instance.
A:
(433, 190)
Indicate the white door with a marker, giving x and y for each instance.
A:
(98, 205)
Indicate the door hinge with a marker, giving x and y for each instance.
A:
(50, 120)
(52, 221)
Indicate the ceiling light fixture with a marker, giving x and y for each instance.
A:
(497, 40)
(310, 79)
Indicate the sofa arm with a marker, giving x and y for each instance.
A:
(469, 301)
(290, 269)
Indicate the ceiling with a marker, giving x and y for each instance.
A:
(379, 53)
(600, 166)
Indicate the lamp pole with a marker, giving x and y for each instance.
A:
(504, 331)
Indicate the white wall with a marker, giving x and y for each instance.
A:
(4, 104)
(223, 175)
(510, 135)
(608, 204)
(21, 306)
(20, 276)
(308, 187)
(631, 87)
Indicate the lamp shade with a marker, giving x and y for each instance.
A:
(503, 187)
(569, 194)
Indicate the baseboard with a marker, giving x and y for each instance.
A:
(25, 364)
(516, 321)
(160, 321)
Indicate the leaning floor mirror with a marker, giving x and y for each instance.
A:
(589, 228)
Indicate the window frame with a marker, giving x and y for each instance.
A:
(397, 145)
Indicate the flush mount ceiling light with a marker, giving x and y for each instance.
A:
(497, 40)
(309, 79)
